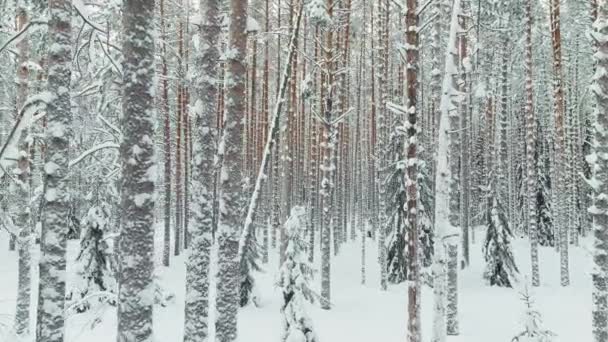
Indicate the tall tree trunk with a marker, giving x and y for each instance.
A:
(532, 182)
(600, 165)
(136, 242)
(204, 152)
(328, 164)
(446, 193)
(51, 324)
(230, 187)
(411, 175)
(560, 146)
(167, 139)
(23, 219)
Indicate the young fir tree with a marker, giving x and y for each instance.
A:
(533, 331)
(95, 267)
(500, 265)
(294, 280)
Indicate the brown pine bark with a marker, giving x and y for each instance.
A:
(411, 176)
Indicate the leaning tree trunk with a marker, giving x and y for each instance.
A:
(51, 325)
(230, 187)
(204, 151)
(136, 241)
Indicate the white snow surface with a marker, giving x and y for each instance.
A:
(360, 313)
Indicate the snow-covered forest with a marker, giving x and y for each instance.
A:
(304, 170)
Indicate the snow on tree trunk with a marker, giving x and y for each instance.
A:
(445, 192)
(138, 164)
(22, 217)
(532, 182)
(411, 174)
(230, 187)
(167, 139)
(599, 164)
(51, 325)
(560, 146)
(381, 151)
(329, 166)
(204, 151)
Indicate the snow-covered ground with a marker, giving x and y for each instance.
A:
(361, 313)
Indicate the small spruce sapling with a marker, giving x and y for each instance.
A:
(294, 280)
(95, 267)
(533, 330)
(501, 269)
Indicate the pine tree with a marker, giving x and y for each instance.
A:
(204, 151)
(136, 241)
(600, 180)
(51, 300)
(230, 202)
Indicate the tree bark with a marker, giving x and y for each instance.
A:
(136, 242)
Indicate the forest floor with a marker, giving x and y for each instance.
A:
(360, 313)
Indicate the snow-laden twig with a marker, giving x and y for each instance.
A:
(20, 35)
(102, 146)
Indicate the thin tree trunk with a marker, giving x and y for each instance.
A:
(411, 175)
(532, 182)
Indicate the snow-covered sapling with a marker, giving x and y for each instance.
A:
(533, 330)
(95, 268)
(294, 280)
(500, 263)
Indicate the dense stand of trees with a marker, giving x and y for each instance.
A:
(269, 125)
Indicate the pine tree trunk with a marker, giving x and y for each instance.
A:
(51, 325)
(411, 176)
(600, 207)
(167, 140)
(560, 146)
(383, 15)
(329, 159)
(136, 242)
(532, 182)
(230, 187)
(204, 151)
